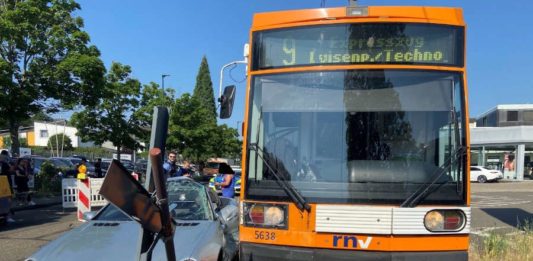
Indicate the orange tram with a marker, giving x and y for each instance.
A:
(355, 137)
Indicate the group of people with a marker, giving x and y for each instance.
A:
(172, 169)
(225, 180)
(20, 171)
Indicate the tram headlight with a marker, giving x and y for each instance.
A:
(265, 215)
(444, 220)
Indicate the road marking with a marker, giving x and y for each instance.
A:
(495, 201)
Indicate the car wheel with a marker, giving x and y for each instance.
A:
(481, 179)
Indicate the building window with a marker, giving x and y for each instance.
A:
(527, 115)
(512, 116)
(44, 134)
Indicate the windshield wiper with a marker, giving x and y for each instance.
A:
(293, 194)
(424, 190)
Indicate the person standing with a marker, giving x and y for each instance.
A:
(228, 182)
(170, 167)
(98, 168)
(22, 176)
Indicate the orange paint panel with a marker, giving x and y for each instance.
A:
(31, 138)
(354, 242)
(440, 15)
(356, 67)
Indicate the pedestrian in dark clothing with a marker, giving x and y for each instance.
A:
(22, 176)
(98, 168)
(170, 167)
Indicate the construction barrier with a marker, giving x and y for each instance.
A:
(69, 193)
(84, 196)
(97, 200)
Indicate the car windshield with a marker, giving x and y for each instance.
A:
(188, 200)
(111, 213)
(212, 165)
(356, 136)
(61, 163)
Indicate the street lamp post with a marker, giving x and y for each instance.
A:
(163, 81)
(239, 128)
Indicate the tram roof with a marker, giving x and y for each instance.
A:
(421, 14)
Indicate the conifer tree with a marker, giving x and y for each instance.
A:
(203, 91)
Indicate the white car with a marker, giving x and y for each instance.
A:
(482, 174)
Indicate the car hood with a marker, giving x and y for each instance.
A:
(95, 240)
(192, 239)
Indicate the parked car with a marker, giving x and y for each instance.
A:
(237, 178)
(482, 174)
(206, 228)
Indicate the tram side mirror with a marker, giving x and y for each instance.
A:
(226, 102)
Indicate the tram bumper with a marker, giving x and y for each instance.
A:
(257, 252)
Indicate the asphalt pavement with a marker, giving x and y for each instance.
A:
(501, 207)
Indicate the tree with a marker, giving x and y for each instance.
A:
(229, 144)
(113, 117)
(191, 131)
(193, 134)
(46, 62)
(151, 96)
(203, 91)
(59, 142)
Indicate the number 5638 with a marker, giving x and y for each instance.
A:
(265, 235)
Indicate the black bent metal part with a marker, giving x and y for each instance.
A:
(158, 139)
(162, 196)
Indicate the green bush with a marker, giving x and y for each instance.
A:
(48, 181)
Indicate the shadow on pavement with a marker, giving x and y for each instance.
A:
(37, 217)
(514, 217)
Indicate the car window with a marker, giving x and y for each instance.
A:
(474, 169)
(111, 213)
(212, 165)
(59, 163)
(75, 161)
(37, 162)
(188, 200)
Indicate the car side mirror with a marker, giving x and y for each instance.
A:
(88, 216)
(226, 102)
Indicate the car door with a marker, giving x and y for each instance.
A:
(474, 173)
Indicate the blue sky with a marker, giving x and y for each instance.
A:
(171, 36)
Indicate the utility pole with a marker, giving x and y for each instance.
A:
(163, 81)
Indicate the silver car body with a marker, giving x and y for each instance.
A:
(206, 228)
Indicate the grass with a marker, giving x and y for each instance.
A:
(517, 245)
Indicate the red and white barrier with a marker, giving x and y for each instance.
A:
(84, 196)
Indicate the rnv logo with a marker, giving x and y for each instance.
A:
(351, 241)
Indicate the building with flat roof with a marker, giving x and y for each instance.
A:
(503, 139)
(507, 115)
